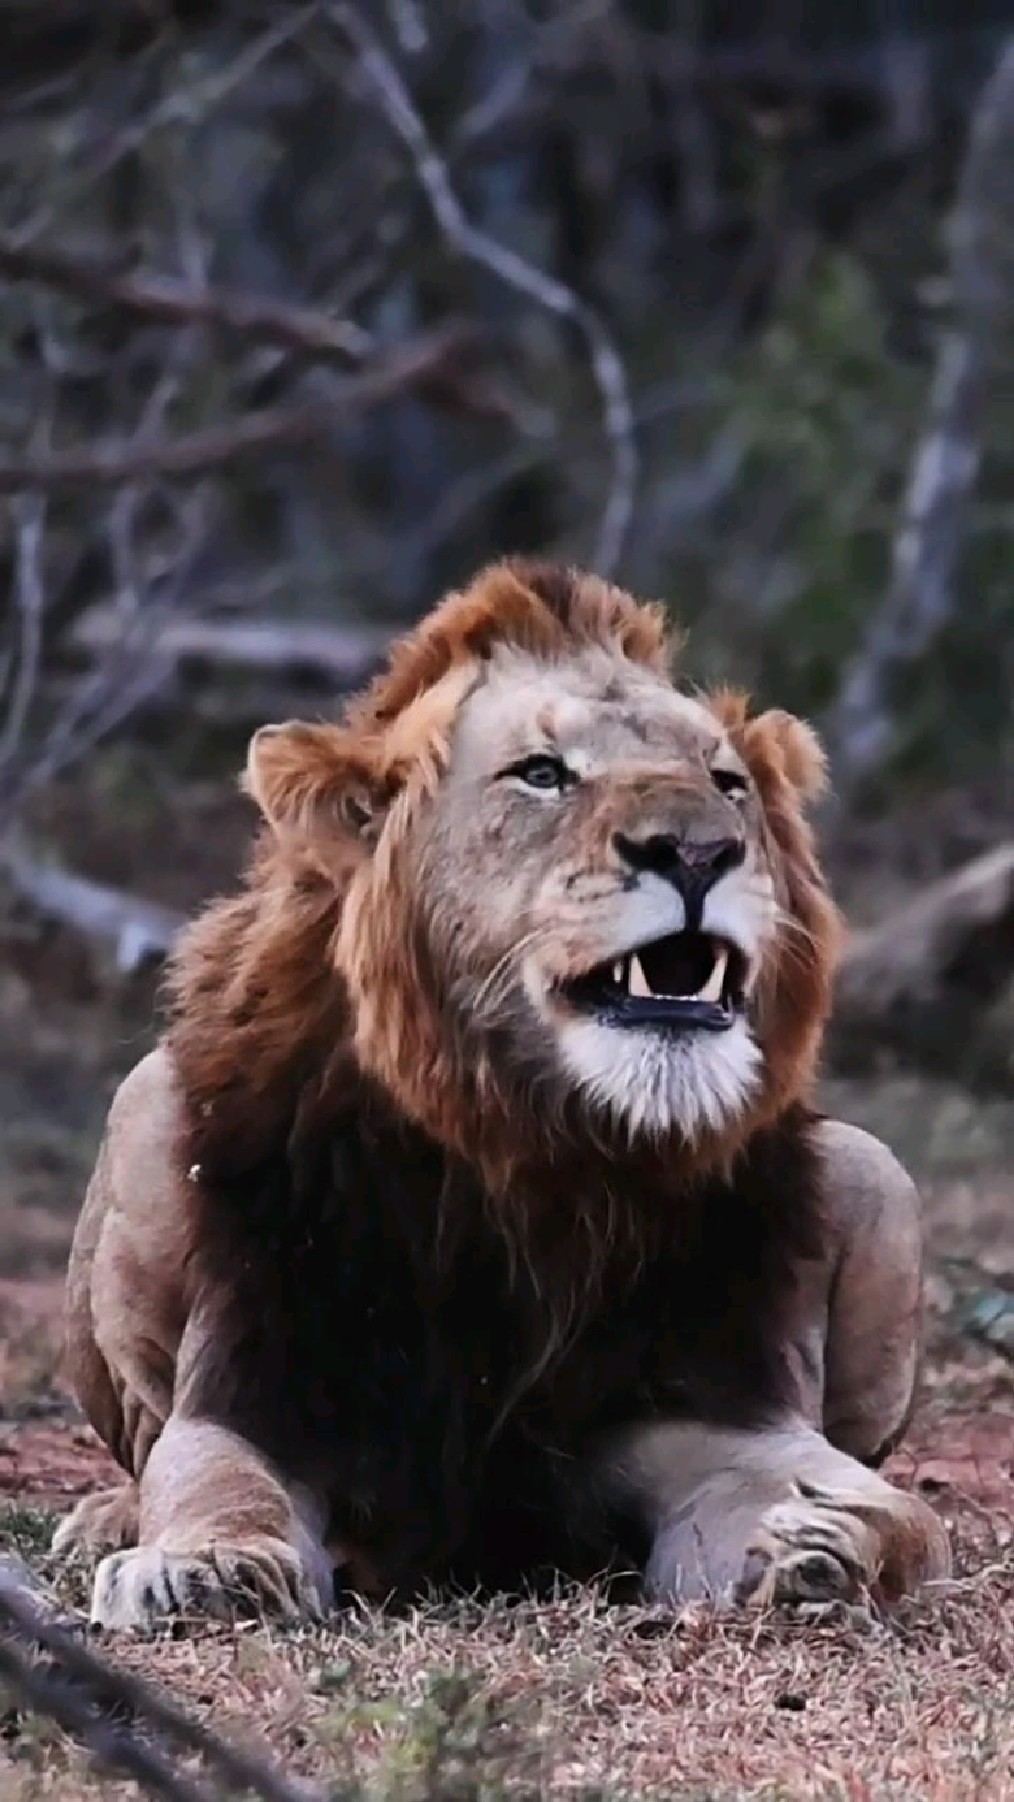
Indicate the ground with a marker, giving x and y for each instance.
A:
(579, 1697)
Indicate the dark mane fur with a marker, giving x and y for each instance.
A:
(377, 1334)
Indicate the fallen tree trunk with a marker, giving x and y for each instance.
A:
(934, 982)
(138, 930)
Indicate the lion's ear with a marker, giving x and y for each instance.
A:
(773, 741)
(798, 749)
(314, 782)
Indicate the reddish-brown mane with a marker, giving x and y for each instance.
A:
(253, 1014)
(261, 1027)
(537, 606)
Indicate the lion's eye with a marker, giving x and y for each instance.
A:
(547, 774)
(730, 782)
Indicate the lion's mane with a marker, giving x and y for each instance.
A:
(397, 1261)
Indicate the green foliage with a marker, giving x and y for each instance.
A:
(782, 582)
(25, 1530)
(453, 1740)
(826, 415)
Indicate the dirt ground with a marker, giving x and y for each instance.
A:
(578, 1697)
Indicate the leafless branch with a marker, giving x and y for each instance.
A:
(477, 246)
(45, 1690)
(131, 668)
(29, 606)
(270, 428)
(934, 515)
(182, 106)
(80, 1690)
(173, 302)
(338, 653)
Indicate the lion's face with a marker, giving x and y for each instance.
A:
(600, 887)
(572, 882)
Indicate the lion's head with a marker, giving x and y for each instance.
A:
(554, 893)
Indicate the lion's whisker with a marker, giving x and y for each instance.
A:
(505, 966)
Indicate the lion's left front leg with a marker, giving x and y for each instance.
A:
(221, 1534)
(773, 1514)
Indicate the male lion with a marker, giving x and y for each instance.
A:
(473, 1222)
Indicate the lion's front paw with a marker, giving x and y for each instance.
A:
(99, 1523)
(823, 1545)
(144, 1588)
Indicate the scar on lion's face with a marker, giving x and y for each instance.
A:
(560, 848)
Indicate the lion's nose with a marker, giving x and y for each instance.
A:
(693, 866)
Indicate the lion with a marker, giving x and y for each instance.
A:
(472, 1222)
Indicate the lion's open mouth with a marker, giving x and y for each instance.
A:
(683, 981)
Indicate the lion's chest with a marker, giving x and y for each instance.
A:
(439, 1384)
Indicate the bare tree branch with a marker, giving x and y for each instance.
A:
(181, 106)
(271, 428)
(79, 1689)
(132, 668)
(339, 653)
(174, 302)
(29, 606)
(478, 247)
(43, 1688)
(934, 516)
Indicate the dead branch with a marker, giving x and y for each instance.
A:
(178, 107)
(934, 516)
(137, 929)
(18, 1579)
(173, 302)
(924, 980)
(272, 428)
(113, 1712)
(477, 246)
(29, 606)
(43, 1688)
(919, 946)
(132, 668)
(340, 654)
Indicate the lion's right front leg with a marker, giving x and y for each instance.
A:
(220, 1534)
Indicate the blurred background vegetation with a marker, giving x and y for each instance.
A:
(307, 310)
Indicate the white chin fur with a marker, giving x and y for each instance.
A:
(656, 1085)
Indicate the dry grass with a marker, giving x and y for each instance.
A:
(579, 1697)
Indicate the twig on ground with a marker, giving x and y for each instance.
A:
(80, 1688)
(477, 246)
(114, 1746)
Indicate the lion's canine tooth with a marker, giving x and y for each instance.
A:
(618, 973)
(637, 982)
(712, 990)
